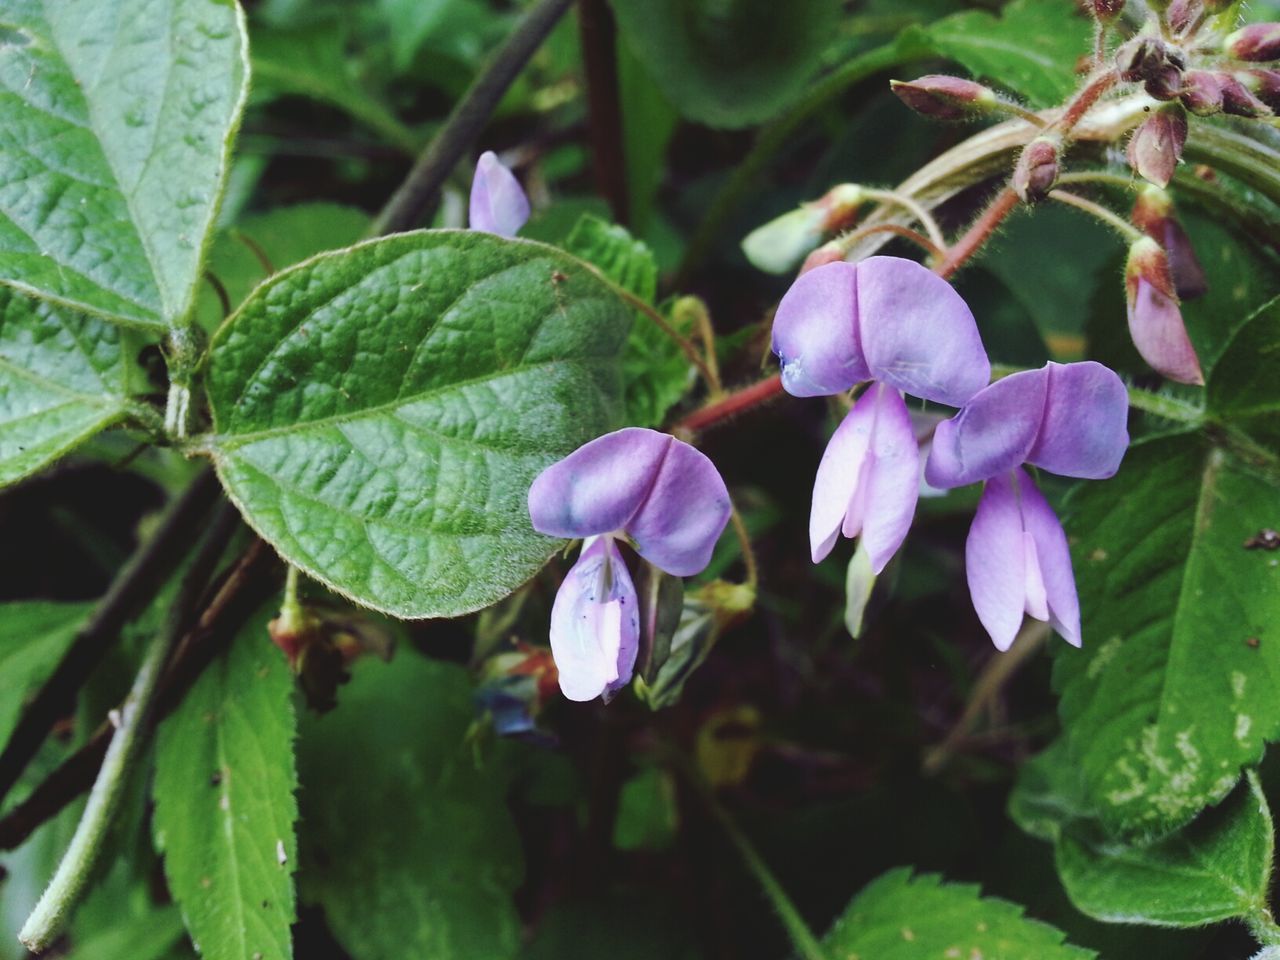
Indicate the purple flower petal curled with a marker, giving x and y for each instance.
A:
(667, 497)
(595, 624)
(868, 480)
(1017, 561)
(917, 334)
(1158, 331)
(498, 204)
(994, 432)
(815, 333)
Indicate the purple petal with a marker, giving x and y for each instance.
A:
(917, 334)
(868, 481)
(600, 486)
(687, 508)
(498, 204)
(815, 333)
(1054, 558)
(595, 624)
(992, 434)
(1155, 323)
(994, 564)
(1084, 432)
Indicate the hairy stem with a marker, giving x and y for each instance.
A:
(415, 201)
(748, 554)
(737, 402)
(1004, 203)
(909, 204)
(132, 589)
(939, 253)
(74, 871)
(1128, 231)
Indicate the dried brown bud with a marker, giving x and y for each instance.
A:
(1142, 58)
(1156, 146)
(1107, 10)
(1257, 43)
(1037, 170)
(944, 97)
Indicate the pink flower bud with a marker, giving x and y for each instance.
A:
(1141, 58)
(1180, 12)
(1166, 85)
(1155, 321)
(1202, 92)
(1106, 10)
(1156, 146)
(943, 97)
(1153, 214)
(1257, 43)
(1263, 84)
(1238, 101)
(828, 253)
(1037, 169)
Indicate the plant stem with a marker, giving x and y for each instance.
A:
(737, 402)
(597, 32)
(1128, 231)
(132, 589)
(1170, 408)
(748, 554)
(1074, 112)
(939, 253)
(74, 871)
(415, 200)
(909, 204)
(978, 234)
(1263, 926)
(690, 351)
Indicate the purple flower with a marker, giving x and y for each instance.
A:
(1155, 320)
(1017, 561)
(1069, 419)
(657, 493)
(498, 204)
(894, 322)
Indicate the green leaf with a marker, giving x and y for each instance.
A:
(1243, 388)
(380, 412)
(1031, 48)
(63, 378)
(901, 917)
(728, 65)
(117, 120)
(225, 808)
(33, 637)
(1175, 689)
(284, 236)
(407, 841)
(1048, 794)
(1218, 868)
(655, 371)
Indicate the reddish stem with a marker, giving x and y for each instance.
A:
(979, 233)
(735, 403)
(1085, 99)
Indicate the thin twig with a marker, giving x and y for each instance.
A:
(597, 33)
(415, 201)
(737, 402)
(748, 554)
(939, 253)
(683, 342)
(132, 722)
(1098, 212)
(979, 233)
(912, 206)
(133, 588)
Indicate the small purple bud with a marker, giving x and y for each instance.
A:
(1202, 92)
(1141, 58)
(1155, 321)
(1180, 13)
(1038, 168)
(1017, 562)
(1263, 84)
(1106, 10)
(1156, 146)
(1256, 43)
(1238, 101)
(498, 204)
(1166, 85)
(944, 97)
(1153, 214)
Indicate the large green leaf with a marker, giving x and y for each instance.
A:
(728, 65)
(64, 376)
(655, 371)
(116, 118)
(1243, 389)
(1176, 687)
(901, 917)
(225, 808)
(33, 637)
(380, 412)
(1031, 47)
(407, 840)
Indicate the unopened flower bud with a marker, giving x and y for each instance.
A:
(1037, 169)
(1154, 215)
(827, 253)
(1156, 146)
(1202, 92)
(1166, 85)
(1179, 14)
(778, 245)
(1238, 101)
(944, 97)
(1155, 320)
(1141, 58)
(1106, 10)
(1263, 84)
(1257, 43)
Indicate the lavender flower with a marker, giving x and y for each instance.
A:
(498, 204)
(660, 495)
(894, 322)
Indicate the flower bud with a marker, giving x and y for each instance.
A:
(1037, 169)
(1257, 43)
(1166, 85)
(1141, 58)
(1263, 84)
(1156, 146)
(1106, 10)
(827, 253)
(1155, 321)
(1153, 214)
(1202, 92)
(778, 245)
(944, 97)
(1179, 14)
(1238, 101)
